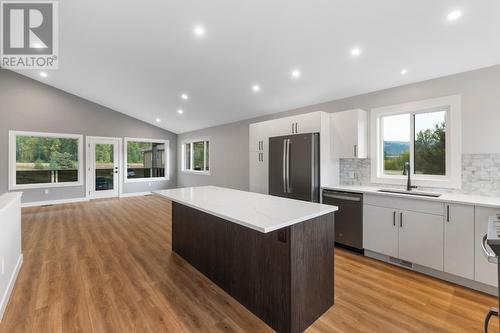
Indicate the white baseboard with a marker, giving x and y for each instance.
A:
(492, 290)
(134, 194)
(53, 202)
(6, 296)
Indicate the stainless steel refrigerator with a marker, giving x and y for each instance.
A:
(294, 166)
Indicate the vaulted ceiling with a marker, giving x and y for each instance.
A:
(139, 57)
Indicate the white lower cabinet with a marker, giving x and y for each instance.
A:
(417, 231)
(421, 239)
(380, 230)
(412, 235)
(485, 271)
(459, 240)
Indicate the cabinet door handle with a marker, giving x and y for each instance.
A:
(293, 128)
(401, 219)
(355, 150)
(296, 128)
(394, 218)
(447, 213)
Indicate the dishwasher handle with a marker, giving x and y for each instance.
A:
(341, 197)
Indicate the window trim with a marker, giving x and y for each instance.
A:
(183, 154)
(453, 178)
(12, 160)
(151, 179)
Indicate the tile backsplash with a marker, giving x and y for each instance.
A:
(480, 174)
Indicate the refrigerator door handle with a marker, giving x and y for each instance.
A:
(288, 187)
(284, 165)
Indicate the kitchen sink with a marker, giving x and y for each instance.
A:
(418, 193)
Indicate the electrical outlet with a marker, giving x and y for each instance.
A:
(46, 191)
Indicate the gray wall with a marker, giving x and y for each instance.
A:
(28, 105)
(480, 90)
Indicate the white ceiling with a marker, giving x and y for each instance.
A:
(137, 57)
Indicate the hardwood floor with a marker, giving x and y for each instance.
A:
(106, 266)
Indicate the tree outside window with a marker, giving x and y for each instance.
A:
(428, 143)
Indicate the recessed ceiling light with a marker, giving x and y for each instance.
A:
(404, 71)
(296, 74)
(158, 120)
(256, 88)
(199, 31)
(184, 96)
(454, 15)
(355, 51)
(43, 74)
(180, 111)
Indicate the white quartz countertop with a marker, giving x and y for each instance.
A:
(261, 212)
(476, 200)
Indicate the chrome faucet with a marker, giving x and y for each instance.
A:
(407, 172)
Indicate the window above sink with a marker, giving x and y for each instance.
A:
(425, 134)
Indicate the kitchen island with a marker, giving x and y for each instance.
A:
(273, 255)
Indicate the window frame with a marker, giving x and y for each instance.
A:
(183, 156)
(12, 160)
(452, 106)
(150, 179)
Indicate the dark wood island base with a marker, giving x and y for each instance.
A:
(285, 277)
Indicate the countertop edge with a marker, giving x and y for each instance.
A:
(445, 197)
(248, 225)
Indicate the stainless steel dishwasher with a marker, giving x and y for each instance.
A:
(348, 219)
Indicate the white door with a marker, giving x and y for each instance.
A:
(459, 240)
(103, 167)
(421, 239)
(380, 230)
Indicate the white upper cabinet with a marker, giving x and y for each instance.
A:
(459, 240)
(303, 123)
(259, 134)
(350, 131)
(259, 182)
(258, 137)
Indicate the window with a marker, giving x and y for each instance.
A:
(196, 156)
(44, 160)
(146, 159)
(421, 134)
